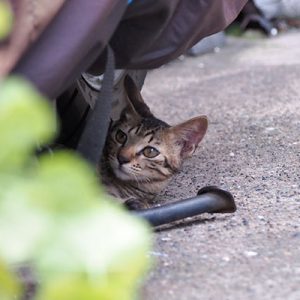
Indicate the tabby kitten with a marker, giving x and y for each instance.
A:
(142, 153)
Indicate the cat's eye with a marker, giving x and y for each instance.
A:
(121, 137)
(150, 152)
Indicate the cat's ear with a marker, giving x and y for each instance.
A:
(135, 98)
(189, 134)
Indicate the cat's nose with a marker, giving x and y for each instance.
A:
(122, 159)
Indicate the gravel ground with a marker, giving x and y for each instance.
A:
(250, 91)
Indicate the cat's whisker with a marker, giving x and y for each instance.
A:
(140, 181)
(145, 179)
(154, 150)
(136, 179)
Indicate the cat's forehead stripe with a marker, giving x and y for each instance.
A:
(130, 129)
(138, 128)
(151, 139)
(149, 132)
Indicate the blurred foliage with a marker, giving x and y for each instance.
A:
(10, 288)
(6, 19)
(234, 30)
(54, 215)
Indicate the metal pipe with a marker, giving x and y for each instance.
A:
(208, 200)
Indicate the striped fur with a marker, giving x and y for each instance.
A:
(125, 169)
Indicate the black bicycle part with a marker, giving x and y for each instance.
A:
(209, 199)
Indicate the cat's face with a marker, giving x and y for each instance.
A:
(138, 150)
(141, 148)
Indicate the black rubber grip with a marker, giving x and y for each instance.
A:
(208, 200)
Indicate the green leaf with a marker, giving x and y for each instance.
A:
(26, 121)
(10, 287)
(22, 227)
(80, 287)
(63, 184)
(93, 241)
(54, 214)
(101, 255)
(6, 19)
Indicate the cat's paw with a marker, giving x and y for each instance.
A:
(135, 204)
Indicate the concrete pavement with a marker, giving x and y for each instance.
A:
(250, 92)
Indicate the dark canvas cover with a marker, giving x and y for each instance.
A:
(143, 35)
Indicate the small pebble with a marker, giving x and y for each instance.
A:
(269, 129)
(250, 253)
(225, 258)
(158, 254)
